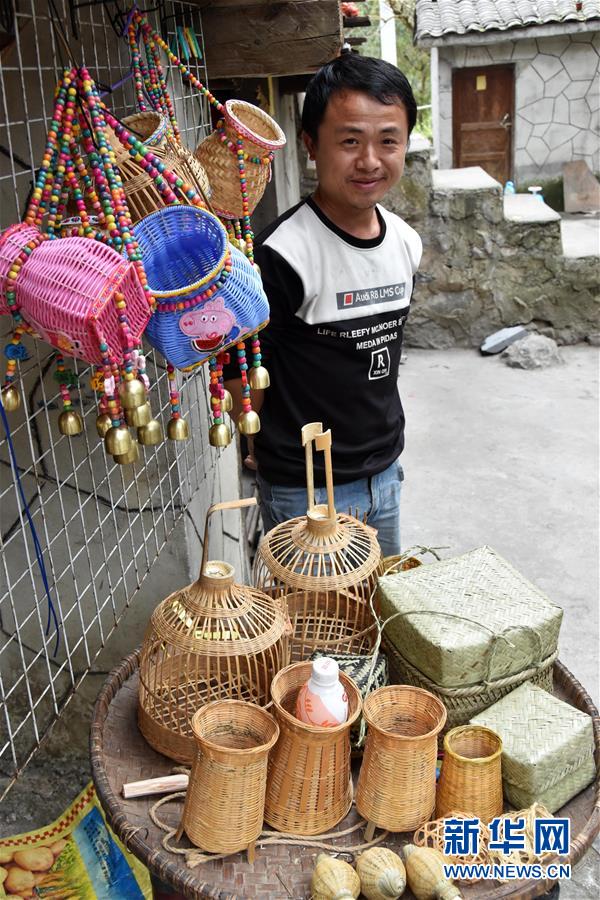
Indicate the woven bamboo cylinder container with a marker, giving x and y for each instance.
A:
(396, 783)
(260, 136)
(325, 565)
(225, 799)
(309, 788)
(143, 196)
(212, 640)
(471, 777)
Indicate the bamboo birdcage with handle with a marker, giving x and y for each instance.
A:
(211, 640)
(325, 565)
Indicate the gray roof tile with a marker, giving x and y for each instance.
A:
(439, 17)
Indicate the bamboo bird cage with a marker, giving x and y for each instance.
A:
(211, 640)
(325, 564)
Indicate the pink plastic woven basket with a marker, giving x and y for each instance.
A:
(65, 291)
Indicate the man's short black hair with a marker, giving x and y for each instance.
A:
(351, 72)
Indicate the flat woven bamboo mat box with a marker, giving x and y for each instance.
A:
(547, 747)
(468, 620)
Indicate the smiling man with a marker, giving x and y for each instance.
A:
(338, 271)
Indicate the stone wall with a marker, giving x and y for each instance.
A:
(557, 100)
(481, 272)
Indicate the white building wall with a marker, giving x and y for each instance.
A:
(557, 100)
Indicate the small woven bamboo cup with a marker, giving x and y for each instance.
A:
(309, 788)
(471, 778)
(224, 803)
(396, 783)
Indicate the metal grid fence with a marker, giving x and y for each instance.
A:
(100, 526)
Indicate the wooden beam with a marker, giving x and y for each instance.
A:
(248, 39)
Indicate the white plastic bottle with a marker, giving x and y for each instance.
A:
(323, 700)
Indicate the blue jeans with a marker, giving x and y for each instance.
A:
(378, 497)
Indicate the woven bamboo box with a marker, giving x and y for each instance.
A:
(547, 747)
(470, 619)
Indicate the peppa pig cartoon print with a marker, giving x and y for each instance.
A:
(208, 326)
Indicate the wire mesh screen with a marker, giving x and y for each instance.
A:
(99, 526)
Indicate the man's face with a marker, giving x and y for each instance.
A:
(360, 150)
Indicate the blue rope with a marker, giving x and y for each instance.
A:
(36, 543)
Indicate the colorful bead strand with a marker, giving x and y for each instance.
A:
(173, 392)
(241, 355)
(216, 392)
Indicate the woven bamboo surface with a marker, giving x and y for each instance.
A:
(465, 703)
(310, 785)
(396, 786)
(469, 619)
(120, 754)
(471, 778)
(225, 800)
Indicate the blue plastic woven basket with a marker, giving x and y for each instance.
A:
(184, 253)
(183, 249)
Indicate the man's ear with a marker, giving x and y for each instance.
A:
(310, 145)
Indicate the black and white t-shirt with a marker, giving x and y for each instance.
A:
(332, 346)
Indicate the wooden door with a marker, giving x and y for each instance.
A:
(482, 117)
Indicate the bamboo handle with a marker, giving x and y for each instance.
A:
(155, 786)
(323, 442)
(309, 433)
(227, 504)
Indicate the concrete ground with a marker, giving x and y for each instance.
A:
(494, 456)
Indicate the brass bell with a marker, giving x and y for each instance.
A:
(132, 393)
(11, 398)
(178, 430)
(140, 416)
(69, 422)
(128, 414)
(117, 440)
(130, 457)
(248, 422)
(103, 423)
(227, 402)
(151, 433)
(219, 436)
(259, 378)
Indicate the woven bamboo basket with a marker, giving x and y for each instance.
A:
(396, 783)
(225, 799)
(260, 135)
(326, 566)
(211, 640)
(464, 703)
(309, 789)
(471, 777)
(143, 196)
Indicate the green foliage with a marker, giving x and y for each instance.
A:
(412, 60)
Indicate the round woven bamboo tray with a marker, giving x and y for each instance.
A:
(120, 754)
(396, 785)
(225, 800)
(309, 788)
(464, 703)
(471, 777)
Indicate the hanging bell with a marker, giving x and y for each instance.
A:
(219, 436)
(11, 398)
(103, 423)
(248, 422)
(132, 393)
(140, 416)
(259, 378)
(150, 434)
(227, 402)
(130, 457)
(178, 430)
(128, 414)
(69, 422)
(117, 440)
